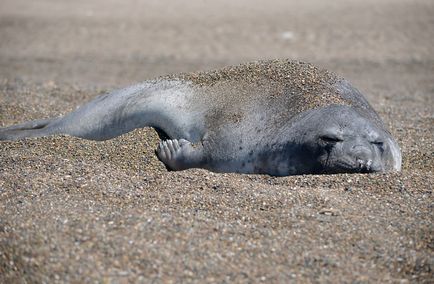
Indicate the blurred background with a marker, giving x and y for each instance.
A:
(113, 42)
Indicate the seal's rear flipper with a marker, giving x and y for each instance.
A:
(35, 128)
(160, 104)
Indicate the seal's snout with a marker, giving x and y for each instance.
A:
(363, 156)
(361, 151)
(364, 165)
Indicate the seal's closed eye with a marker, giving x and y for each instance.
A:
(331, 139)
(378, 143)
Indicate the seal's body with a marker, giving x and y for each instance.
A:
(272, 117)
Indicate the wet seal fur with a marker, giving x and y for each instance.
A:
(276, 117)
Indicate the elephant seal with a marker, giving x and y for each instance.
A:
(277, 117)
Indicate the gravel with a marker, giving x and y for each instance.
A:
(73, 210)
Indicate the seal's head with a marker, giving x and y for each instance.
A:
(338, 139)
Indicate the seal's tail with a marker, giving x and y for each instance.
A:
(35, 128)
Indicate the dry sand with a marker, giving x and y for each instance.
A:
(78, 211)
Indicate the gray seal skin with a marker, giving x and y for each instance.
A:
(276, 117)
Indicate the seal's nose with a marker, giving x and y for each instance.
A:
(364, 165)
(363, 157)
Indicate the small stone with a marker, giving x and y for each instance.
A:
(329, 212)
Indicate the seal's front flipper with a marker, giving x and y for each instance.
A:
(180, 154)
(36, 128)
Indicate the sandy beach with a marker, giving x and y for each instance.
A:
(77, 211)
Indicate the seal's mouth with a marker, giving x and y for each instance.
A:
(359, 166)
